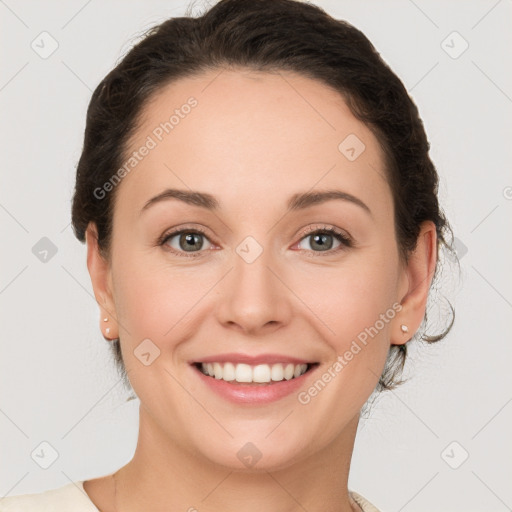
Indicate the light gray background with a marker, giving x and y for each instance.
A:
(58, 382)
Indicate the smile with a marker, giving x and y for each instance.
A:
(245, 373)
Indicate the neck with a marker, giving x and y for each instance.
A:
(162, 474)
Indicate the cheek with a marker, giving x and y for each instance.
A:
(354, 306)
(157, 299)
(355, 309)
(156, 303)
(351, 297)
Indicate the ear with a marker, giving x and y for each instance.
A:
(101, 278)
(417, 277)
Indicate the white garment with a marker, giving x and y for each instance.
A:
(73, 498)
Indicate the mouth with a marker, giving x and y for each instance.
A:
(256, 375)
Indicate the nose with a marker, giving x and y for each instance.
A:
(254, 298)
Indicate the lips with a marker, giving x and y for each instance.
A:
(253, 379)
(256, 385)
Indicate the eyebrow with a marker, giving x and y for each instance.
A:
(299, 201)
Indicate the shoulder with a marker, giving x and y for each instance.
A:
(71, 496)
(363, 502)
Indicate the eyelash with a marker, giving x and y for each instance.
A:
(345, 240)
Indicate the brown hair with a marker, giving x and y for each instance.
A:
(264, 35)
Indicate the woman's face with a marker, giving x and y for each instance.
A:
(254, 281)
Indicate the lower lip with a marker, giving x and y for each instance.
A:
(247, 393)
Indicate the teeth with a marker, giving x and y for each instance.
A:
(243, 373)
(217, 370)
(262, 373)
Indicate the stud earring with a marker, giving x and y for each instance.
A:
(107, 330)
(404, 328)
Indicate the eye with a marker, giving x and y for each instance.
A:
(321, 240)
(185, 241)
(189, 242)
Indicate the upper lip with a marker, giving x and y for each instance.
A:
(251, 360)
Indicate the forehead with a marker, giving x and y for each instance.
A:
(248, 135)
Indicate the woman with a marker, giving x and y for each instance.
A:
(262, 228)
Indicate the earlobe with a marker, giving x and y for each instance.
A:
(100, 273)
(419, 272)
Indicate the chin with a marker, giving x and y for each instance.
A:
(253, 455)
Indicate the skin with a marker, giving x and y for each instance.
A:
(253, 140)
